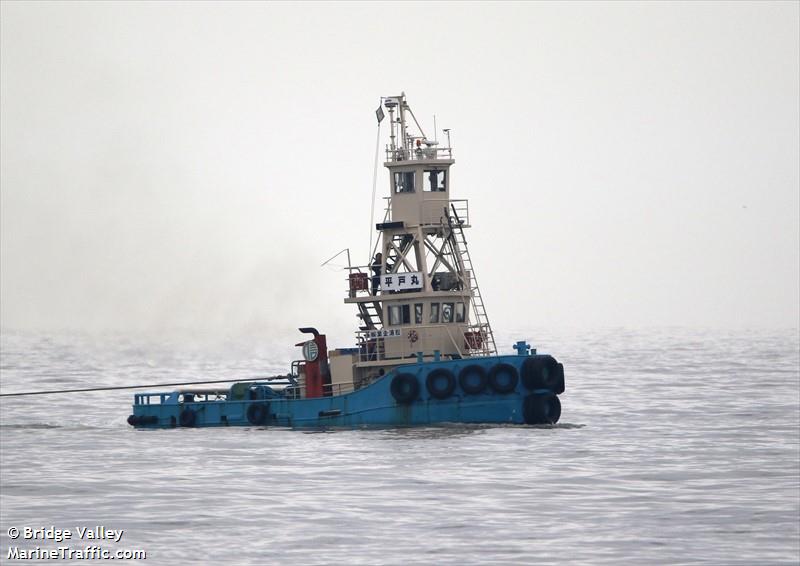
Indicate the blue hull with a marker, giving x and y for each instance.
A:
(499, 389)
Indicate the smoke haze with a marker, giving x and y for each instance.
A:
(170, 166)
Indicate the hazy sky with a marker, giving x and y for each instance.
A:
(191, 165)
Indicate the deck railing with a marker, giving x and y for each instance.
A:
(419, 153)
(461, 206)
(297, 391)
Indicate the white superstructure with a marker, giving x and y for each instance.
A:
(420, 297)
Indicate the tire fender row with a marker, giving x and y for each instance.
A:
(258, 414)
(537, 373)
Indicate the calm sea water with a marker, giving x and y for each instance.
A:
(674, 447)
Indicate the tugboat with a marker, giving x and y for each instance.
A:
(425, 352)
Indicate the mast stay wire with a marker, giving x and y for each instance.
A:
(374, 189)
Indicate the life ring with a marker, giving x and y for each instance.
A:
(543, 372)
(440, 383)
(541, 408)
(187, 418)
(473, 379)
(503, 378)
(404, 388)
(413, 336)
(257, 413)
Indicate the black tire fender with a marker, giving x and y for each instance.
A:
(404, 388)
(257, 413)
(541, 408)
(503, 386)
(187, 418)
(440, 383)
(543, 372)
(470, 387)
(560, 386)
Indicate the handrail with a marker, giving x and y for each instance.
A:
(339, 388)
(432, 152)
(328, 389)
(461, 206)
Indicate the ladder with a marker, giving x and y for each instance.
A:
(480, 326)
(370, 314)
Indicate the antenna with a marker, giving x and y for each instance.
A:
(447, 131)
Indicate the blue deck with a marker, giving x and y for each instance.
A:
(518, 389)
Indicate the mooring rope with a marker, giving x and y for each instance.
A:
(142, 386)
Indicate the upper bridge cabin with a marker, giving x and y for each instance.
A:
(419, 171)
(420, 189)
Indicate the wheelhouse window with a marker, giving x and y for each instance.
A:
(418, 313)
(404, 182)
(434, 312)
(460, 312)
(434, 180)
(447, 312)
(399, 314)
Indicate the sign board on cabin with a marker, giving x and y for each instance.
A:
(383, 333)
(401, 281)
